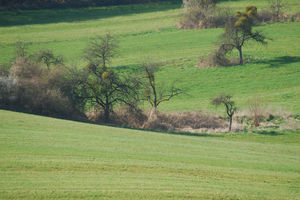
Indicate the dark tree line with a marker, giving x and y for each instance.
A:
(40, 4)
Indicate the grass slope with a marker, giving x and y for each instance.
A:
(45, 158)
(148, 32)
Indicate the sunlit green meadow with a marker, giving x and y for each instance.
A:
(46, 158)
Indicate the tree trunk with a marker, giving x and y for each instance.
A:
(152, 114)
(106, 110)
(277, 16)
(106, 114)
(103, 62)
(230, 123)
(241, 56)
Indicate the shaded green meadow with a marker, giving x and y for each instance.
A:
(46, 158)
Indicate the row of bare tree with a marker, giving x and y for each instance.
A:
(40, 83)
(104, 87)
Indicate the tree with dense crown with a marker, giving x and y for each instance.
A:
(238, 32)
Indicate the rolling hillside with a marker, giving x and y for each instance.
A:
(46, 158)
(149, 32)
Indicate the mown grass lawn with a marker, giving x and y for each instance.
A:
(46, 158)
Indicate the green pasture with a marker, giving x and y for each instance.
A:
(46, 158)
(149, 32)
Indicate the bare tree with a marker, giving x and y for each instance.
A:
(190, 4)
(199, 14)
(276, 7)
(101, 50)
(22, 48)
(48, 58)
(229, 106)
(105, 87)
(155, 93)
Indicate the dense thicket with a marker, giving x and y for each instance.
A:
(202, 14)
(30, 87)
(40, 4)
(40, 83)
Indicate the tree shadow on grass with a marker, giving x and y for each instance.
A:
(30, 17)
(269, 132)
(281, 61)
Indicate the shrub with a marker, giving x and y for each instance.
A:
(271, 117)
(276, 7)
(176, 121)
(29, 87)
(4, 69)
(7, 92)
(35, 97)
(25, 69)
(276, 13)
(129, 117)
(295, 17)
(264, 16)
(182, 120)
(201, 14)
(217, 58)
(257, 110)
(123, 116)
(70, 84)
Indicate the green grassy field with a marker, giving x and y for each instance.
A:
(46, 158)
(149, 32)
